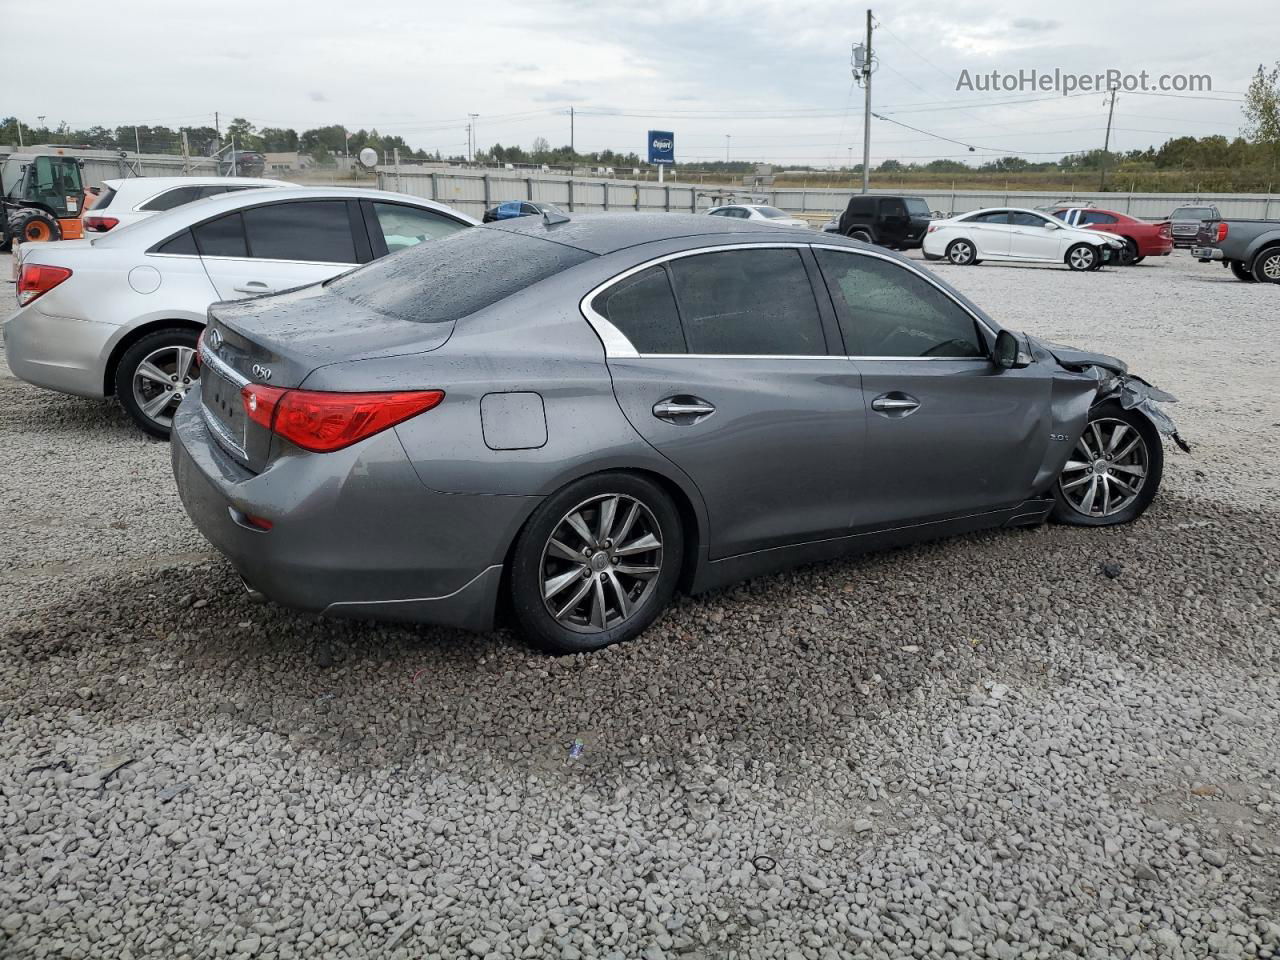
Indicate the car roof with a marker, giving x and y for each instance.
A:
(604, 233)
(156, 184)
(161, 225)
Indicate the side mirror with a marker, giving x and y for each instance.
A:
(1009, 352)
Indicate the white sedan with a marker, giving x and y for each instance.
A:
(120, 314)
(123, 202)
(757, 211)
(1018, 235)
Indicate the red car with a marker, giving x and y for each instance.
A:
(1143, 238)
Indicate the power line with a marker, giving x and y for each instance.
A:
(971, 146)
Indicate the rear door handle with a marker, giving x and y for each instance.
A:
(256, 287)
(681, 407)
(894, 403)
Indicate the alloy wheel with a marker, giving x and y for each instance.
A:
(601, 563)
(162, 379)
(1270, 267)
(1082, 258)
(961, 252)
(1108, 469)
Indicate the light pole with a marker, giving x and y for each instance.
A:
(474, 141)
(726, 148)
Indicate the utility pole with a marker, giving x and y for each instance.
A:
(866, 117)
(1106, 144)
(471, 133)
(216, 128)
(137, 144)
(572, 149)
(20, 143)
(186, 155)
(726, 148)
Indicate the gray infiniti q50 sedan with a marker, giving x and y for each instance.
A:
(576, 417)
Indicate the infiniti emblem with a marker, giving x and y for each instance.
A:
(263, 373)
(215, 339)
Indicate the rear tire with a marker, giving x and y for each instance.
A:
(962, 253)
(610, 581)
(32, 225)
(862, 235)
(157, 365)
(1083, 257)
(1266, 266)
(1242, 272)
(1120, 457)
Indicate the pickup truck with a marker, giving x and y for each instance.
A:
(1251, 248)
(1187, 222)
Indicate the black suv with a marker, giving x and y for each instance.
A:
(897, 222)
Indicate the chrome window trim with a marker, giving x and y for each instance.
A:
(618, 346)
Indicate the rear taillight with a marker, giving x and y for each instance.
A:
(100, 224)
(1166, 231)
(932, 228)
(324, 422)
(36, 280)
(1222, 231)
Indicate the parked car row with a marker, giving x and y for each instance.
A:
(118, 314)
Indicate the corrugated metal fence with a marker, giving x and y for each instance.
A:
(474, 191)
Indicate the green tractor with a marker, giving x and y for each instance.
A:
(42, 198)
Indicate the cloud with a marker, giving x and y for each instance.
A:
(1033, 25)
(317, 96)
(559, 95)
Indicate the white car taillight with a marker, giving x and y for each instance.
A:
(35, 280)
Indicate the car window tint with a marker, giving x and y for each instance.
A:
(751, 302)
(313, 230)
(104, 198)
(171, 198)
(404, 226)
(1092, 216)
(222, 237)
(183, 244)
(643, 308)
(888, 311)
(995, 216)
(1021, 218)
(893, 208)
(456, 275)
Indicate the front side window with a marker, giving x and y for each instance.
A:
(917, 207)
(317, 231)
(892, 208)
(748, 302)
(1020, 218)
(644, 310)
(1092, 216)
(404, 226)
(171, 198)
(885, 310)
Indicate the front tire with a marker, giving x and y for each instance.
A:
(597, 563)
(1266, 266)
(1082, 257)
(32, 225)
(962, 253)
(154, 375)
(1113, 472)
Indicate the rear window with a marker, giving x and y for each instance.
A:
(1192, 213)
(455, 276)
(773, 213)
(175, 197)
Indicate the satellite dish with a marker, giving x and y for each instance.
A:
(369, 156)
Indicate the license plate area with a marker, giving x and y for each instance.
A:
(224, 410)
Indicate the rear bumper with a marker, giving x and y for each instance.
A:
(58, 353)
(355, 533)
(1206, 253)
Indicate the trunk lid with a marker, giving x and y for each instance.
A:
(279, 341)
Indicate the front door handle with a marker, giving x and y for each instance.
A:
(894, 403)
(683, 409)
(254, 287)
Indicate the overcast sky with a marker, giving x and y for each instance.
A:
(772, 76)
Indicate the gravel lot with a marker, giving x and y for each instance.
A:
(977, 748)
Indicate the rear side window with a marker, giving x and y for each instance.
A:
(171, 198)
(748, 302)
(455, 276)
(317, 231)
(643, 308)
(182, 244)
(104, 198)
(994, 216)
(893, 208)
(885, 310)
(222, 237)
